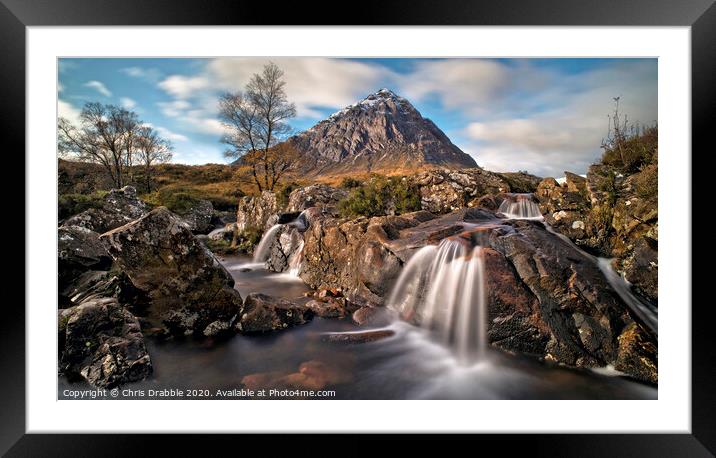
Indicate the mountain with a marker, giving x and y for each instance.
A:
(383, 132)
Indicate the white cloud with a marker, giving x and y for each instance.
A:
(561, 126)
(170, 135)
(99, 87)
(183, 87)
(175, 108)
(127, 103)
(166, 133)
(149, 74)
(311, 83)
(68, 111)
(464, 84)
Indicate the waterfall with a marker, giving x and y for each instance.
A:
(520, 206)
(263, 249)
(644, 312)
(294, 262)
(647, 314)
(443, 289)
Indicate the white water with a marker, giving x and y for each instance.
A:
(520, 206)
(647, 314)
(263, 250)
(294, 262)
(443, 289)
(641, 309)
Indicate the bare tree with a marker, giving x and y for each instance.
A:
(257, 122)
(151, 149)
(106, 136)
(617, 133)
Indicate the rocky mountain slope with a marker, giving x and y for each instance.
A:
(381, 132)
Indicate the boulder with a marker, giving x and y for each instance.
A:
(102, 283)
(102, 342)
(263, 313)
(353, 255)
(78, 250)
(443, 191)
(521, 182)
(198, 216)
(254, 212)
(319, 195)
(357, 337)
(188, 287)
(119, 207)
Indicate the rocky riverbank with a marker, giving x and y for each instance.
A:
(129, 272)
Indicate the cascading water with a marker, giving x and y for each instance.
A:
(646, 313)
(263, 249)
(294, 262)
(443, 289)
(520, 206)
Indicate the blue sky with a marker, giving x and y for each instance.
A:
(540, 115)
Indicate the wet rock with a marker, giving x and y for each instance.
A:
(263, 313)
(78, 251)
(637, 354)
(330, 307)
(357, 337)
(254, 212)
(443, 191)
(187, 286)
(217, 328)
(321, 196)
(354, 255)
(577, 312)
(119, 207)
(364, 315)
(514, 314)
(311, 375)
(102, 342)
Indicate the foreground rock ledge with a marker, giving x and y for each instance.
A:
(101, 341)
(189, 289)
(546, 298)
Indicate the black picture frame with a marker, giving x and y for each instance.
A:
(700, 15)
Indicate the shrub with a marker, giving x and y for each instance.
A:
(646, 182)
(608, 185)
(381, 196)
(632, 152)
(350, 183)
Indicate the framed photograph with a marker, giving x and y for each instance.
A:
(416, 219)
